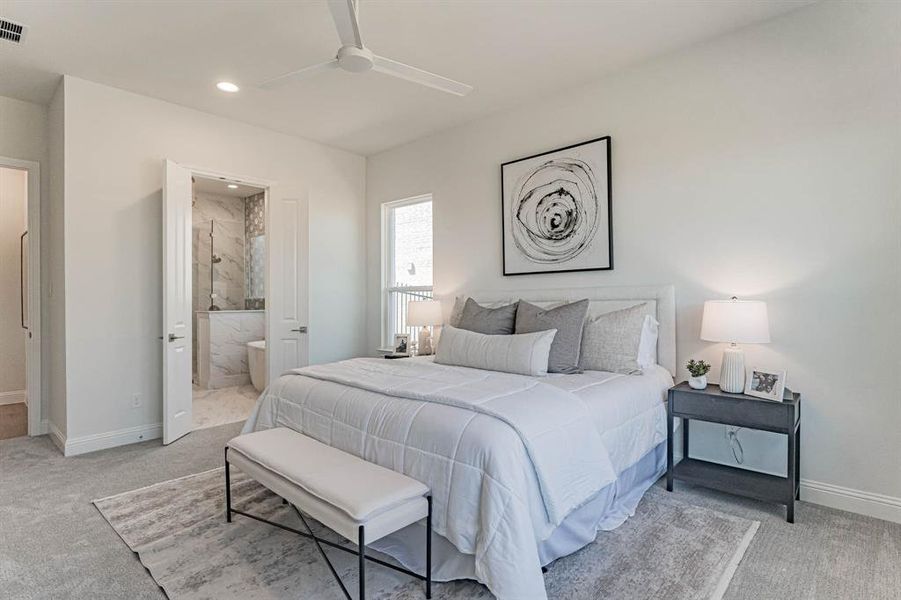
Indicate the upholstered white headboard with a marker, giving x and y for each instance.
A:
(660, 300)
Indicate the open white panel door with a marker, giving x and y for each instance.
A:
(287, 281)
(177, 397)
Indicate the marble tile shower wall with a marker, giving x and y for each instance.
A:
(224, 217)
(255, 252)
(239, 245)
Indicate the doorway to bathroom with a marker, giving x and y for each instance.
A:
(235, 293)
(21, 412)
(228, 267)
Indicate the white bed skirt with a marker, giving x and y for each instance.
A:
(606, 511)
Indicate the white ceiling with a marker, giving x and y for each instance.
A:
(511, 51)
(220, 187)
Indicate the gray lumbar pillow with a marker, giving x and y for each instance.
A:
(568, 320)
(610, 341)
(490, 321)
(524, 354)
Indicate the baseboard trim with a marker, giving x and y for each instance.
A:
(13, 397)
(111, 439)
(57, 436)
(45, 427)
(856, 501)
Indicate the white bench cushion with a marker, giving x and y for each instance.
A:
(359, 489)
(335, 519)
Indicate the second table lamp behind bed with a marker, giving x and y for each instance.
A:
(425, 314)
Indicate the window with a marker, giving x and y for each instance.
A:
(406, 263)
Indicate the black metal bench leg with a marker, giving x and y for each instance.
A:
(362, 547)
(361, 541)
(428, 550)
(316, 541)
(228, 491)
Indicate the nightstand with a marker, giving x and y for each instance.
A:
(716, 406)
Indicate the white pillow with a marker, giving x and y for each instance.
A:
(647, 347)
(524, 353)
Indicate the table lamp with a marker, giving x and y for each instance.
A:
(736, 322)
(424, 313)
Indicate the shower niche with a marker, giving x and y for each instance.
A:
(228, 279)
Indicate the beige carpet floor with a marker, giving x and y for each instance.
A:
(55, 544)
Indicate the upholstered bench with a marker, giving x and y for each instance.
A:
(357, 499)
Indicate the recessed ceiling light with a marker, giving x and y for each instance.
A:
(227, 86)
(232, 186)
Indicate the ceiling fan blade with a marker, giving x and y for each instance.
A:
(398, 69)
(347, 22)
(299, 74)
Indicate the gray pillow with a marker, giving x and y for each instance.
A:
(490, 321)
(457, 311)
(568, 320)
(610, 341)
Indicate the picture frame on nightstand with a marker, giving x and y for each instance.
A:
(767, 384)
(402, 344)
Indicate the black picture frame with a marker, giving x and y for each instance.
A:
(609, 182)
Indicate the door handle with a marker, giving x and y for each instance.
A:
(22, 279)
(173, 337)
(300, 329)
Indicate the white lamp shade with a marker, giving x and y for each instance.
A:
(421, 313)
(736, 321)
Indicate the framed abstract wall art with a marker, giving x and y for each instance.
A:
(557, 210)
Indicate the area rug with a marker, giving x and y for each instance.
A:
(669, 549)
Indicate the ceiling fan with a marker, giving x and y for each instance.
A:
(354, 57)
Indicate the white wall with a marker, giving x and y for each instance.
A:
(53, 272)
(13, 221)
(24, 135)
(764, 164)
(115, 143)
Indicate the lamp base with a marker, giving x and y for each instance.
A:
(425, 342)
(732, 373)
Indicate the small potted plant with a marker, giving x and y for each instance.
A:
(698, 370)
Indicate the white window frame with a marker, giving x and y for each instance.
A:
(387, 249)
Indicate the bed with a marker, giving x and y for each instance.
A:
(523, 470)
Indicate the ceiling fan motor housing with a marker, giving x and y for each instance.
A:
(355, 60)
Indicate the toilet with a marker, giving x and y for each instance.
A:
(256, 360)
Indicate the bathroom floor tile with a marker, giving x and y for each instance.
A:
(226, 405)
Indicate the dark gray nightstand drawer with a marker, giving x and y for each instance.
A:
(739, 411)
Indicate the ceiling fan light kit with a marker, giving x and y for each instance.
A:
(354, 57)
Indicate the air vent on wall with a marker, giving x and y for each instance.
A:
(12, 32)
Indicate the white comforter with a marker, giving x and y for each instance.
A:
(507, 457)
